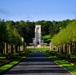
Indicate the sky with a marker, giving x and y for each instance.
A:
(34, 10)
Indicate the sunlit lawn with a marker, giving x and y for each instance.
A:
(38, 49)
(46, 37)
(6, 64)
(69, 66)
(10, 64)
(15, 61)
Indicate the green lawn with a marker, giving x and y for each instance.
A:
(46, 38)
(2, 56)
(10, 64)
(69, 66)
(37, 49)
(12, 60)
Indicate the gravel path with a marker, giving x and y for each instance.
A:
(37, 64)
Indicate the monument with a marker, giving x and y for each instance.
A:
(37, 39)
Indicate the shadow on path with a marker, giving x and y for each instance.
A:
(37, 64)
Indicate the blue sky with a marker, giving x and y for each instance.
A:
(34, 10)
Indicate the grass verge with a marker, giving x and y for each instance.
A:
(10, 65)
(69, 66)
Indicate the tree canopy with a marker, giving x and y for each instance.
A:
(26, 29)
(66, 35)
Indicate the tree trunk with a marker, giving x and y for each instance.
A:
(59, 48)
(69, 49)
(6, 47)
(1, 47)
(75, 48)
(12, 49)
(64, 48)
(16, 48)
(19, 48)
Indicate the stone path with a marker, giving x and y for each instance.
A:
(37, 64)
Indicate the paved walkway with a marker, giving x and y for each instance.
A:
(37, 64)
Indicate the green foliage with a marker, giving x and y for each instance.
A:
(12, 36)
(2, 31)
(9, 34)
(56, 26)
(66, 35)
(27, 29)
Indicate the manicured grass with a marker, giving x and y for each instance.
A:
(10, 64)
(13, 62)
(13, 59)
(37, 49)
(72, 56)
(2, 56)
(46, 37)
(69, 66)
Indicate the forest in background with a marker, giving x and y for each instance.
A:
(12, 32)
(26, 28)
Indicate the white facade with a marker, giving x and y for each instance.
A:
(37, 35)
